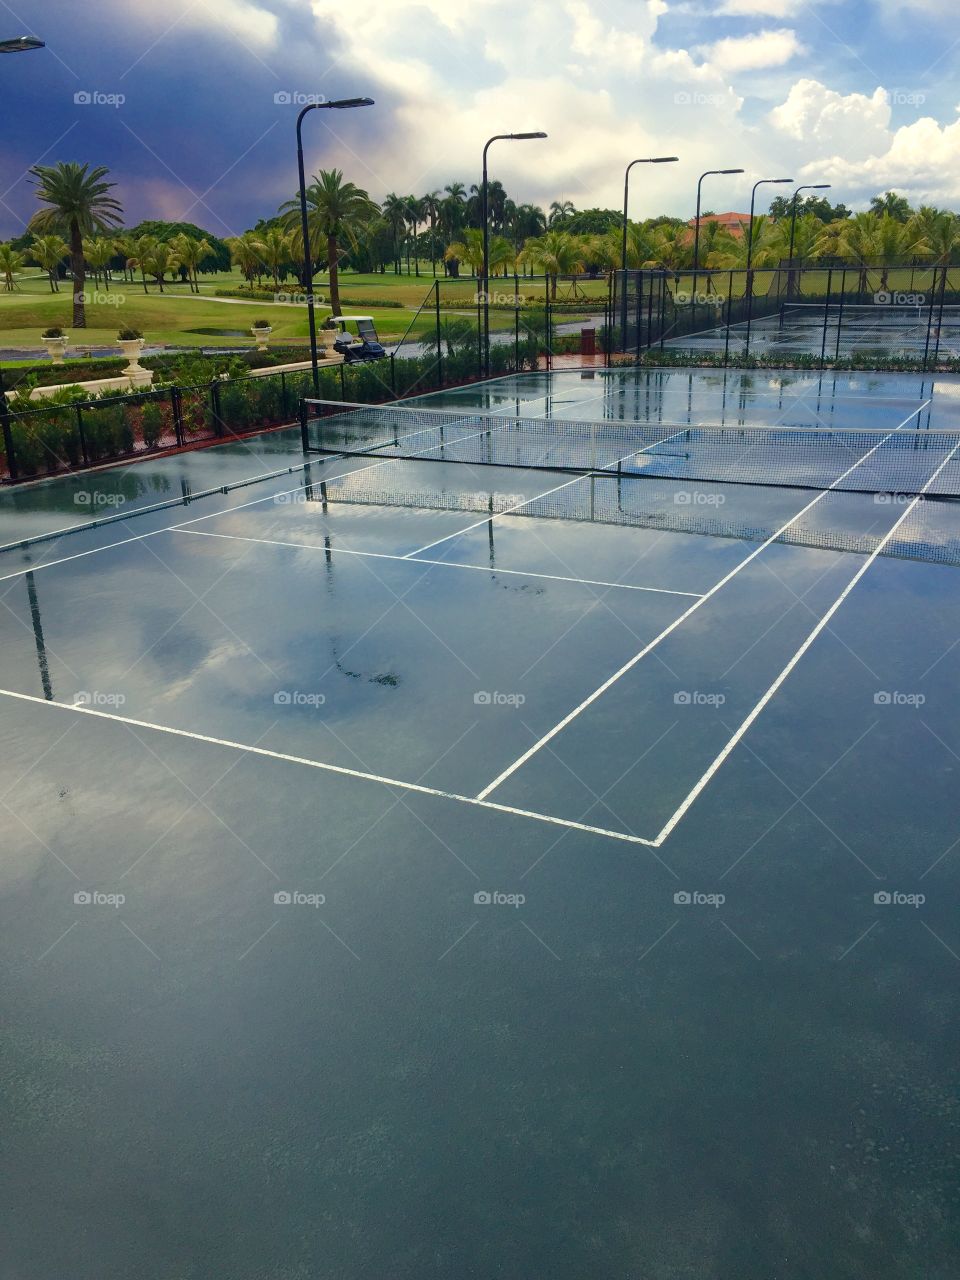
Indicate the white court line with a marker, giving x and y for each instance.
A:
(443, 564)
(677, 622)
(587, 475)
(249, 749)
(705, 779)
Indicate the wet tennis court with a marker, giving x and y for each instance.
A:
(516, 836)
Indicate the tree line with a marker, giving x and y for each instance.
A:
(79, 223)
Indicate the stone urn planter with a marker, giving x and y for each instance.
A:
(327, 338)
(131, 348)
(56, 347)
(262, 334)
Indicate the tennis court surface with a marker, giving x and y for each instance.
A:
(545, 784)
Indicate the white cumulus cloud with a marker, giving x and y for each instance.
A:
(754, 52)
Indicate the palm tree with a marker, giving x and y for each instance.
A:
(99, 253)
(937, 232)
(561, 210)
(245, 255)
(468, 250)
(555, 253)
(430, 205)
(11, 262)
(48, 252)
(276, 249)
(143, 247)
(394, 211)
(190, 253)
(337, 212)
(155, 258)
(80, 204)
(126, 247)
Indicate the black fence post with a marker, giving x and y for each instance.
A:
(726, 343)
(176, 410)
(393, 373)
(549, 323)
(826, 318)
(843, 287)
(304, 433)
(436, 303)
(283, 395)
(943, 298)
(217, 410)
(343, 382)
(83, 439)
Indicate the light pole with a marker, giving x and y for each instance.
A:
(623, 253)
(696, 233)
(20, 44)
(484, 213)
(341, 104)
(764, 182)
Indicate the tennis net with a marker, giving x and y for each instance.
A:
(905, 460)
(879, 317)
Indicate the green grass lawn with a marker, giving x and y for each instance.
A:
(178, 318)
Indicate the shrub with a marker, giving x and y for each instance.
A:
(54, 332)
(151, 424)
(261, 324)
(129, 335)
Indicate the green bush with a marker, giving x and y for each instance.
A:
(151, 424)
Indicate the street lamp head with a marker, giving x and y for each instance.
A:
(522, 137)
(731, 171)
(820, 186)
(778, 180)
(343, 103)
(663, 160)
(20, 44)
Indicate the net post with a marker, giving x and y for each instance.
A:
(826, 317)
(83, 440)
(843, 295)
(933, 299)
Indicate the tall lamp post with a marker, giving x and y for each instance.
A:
(811, 186)
(626, 208)
(341, 104)
(764, 182)
(696, 233)
(20, 44)
(484, 213)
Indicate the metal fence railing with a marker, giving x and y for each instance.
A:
(870, 314)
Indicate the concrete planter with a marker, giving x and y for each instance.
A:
(262, 336)
(327, 338)
(56, 348)
(130, 348)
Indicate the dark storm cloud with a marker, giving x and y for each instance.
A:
(186, 116)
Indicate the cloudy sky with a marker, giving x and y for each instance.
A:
(192, 103)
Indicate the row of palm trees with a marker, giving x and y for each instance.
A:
(150, 255)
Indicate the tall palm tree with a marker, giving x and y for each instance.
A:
(337, 212)
(415, 216)
(11, 262)
(99, 253)
(431, 211)
(79, 204)
(394, 210)
(190, 253)
(937, 232)
(156, 258)
(561, 210)
(245, 255)
(470, 250)
(48, 252)
(143, 247)
(275, 247)
(555, 253)
(126, 246)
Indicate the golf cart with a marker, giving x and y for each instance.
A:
(364, 346)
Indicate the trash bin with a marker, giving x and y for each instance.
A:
(588, 342)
